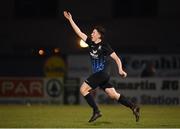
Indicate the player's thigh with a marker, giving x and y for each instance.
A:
(97, 79)
(85, 88)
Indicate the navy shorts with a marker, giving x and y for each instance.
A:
(99, 79)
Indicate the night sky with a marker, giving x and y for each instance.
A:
(133, 27)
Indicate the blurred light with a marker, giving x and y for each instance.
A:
(83, 44)
(56, 50)
(41, 52)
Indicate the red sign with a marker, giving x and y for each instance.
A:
(21, 88)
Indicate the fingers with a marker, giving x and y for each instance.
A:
(65, 13)
(123, 74)
(69, 14)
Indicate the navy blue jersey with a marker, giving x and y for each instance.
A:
(98, 53)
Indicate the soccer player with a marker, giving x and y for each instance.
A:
(99, 50)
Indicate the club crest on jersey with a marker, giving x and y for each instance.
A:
(94, 51)
(99, 48)
(94, 55)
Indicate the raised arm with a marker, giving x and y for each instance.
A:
(119, 64)
(68, 16)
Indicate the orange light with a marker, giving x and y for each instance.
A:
(41, 52)
(83, 44)
(56, 50)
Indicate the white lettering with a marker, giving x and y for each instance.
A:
(21, 88)
(36, 87)
(7, 86)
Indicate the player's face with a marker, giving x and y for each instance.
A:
(95, 35)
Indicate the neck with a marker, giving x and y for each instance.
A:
(98, 41)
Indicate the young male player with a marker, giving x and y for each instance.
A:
(99, 50)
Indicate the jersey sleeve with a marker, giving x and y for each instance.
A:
(88, 41)
(108, 49)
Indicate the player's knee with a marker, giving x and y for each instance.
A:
(111, 93)
(112, 96)
(115, 97)
(84, 90)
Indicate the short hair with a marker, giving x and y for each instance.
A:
(101, 30)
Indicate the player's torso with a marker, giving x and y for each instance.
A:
(98, 57)
(96, 51)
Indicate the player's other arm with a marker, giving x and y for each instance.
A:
(119, 64)
(77, 30)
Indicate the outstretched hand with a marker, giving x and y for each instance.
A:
(67, 15)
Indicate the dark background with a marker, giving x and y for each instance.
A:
(133, 27)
